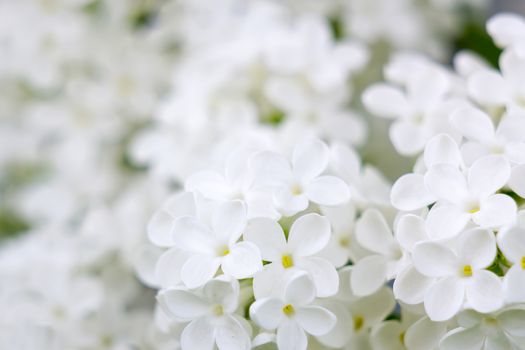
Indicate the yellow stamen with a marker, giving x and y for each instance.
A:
(523, 262)
(358, 323)
(402, 338)
(467, 271)
(344, 241)
(218, 310)
(287, 261)
(288, 310)
(474, 210)
(296, 189)
(223, 250)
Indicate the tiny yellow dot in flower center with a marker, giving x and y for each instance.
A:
(344, 241)
(467, 271)
(474, 210)
(523, 262)
(288, 310)
(223, 250)
(218, 310)
(287, 261)
(296, 189)
(358, 322)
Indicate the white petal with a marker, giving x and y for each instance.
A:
(385, 101)
(515, 152)
(506, 28)
(229, 220)
(445, 221)
(373, 233)
(374, 308)
(407, 138)
(169, 266)
(513, 322)
(446, 182)
(267, 312)
(309, 234)
(191, 235)
(270, 168)
(472, 151)
(199, 269)
(315, 320)
(198, 335)
(387, 336)
(409, 193)
(517, 180)
(512, 243)
(488, 88)
(268, 236)
(444, 299)
(209, 183)
(346, 161)
(424, 334)
(243, 261)
(288, 203)
(222, 291)
(488, 174)
(485, 292)
(473, 124)
(410, 230)
(161, 224)
(232, 336)
(309, 159)
(511, 127)
(442, 149)
(467, 339)
(368, 275)
(434, 260)
(496, 211)
(290, 336)
(270, 281)
(339, 335)
(327, 190)
(427, 87)
(144, 263)
(514, 284)
(323, 274)
(182, 304)
(477, 247)
(300, 290)
(410, 286)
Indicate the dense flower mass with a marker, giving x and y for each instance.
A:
(195, 174)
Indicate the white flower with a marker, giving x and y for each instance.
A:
(308, 235)
(371, 272)
(494, 89)
(213, 243)
(511, 241)
(508, 139)
(343, 245)
(294, 187)
(235, 183)
(472, 197)
(292, 314)
(417, 111)
(210, 312)
(502, 330)
(460, 275)
(355, 315)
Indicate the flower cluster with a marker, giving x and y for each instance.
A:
(307, 247)
(255, 123)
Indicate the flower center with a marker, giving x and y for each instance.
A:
(473, 209)
(402, 338)
(287, 261)
(358, 322)
(223, 250)
(523, 262)
(467, 271)
(344, 241)
(288, 310)
(218, 310)
(296, 189)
